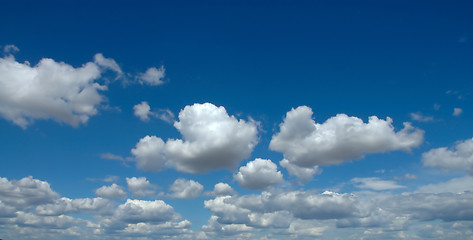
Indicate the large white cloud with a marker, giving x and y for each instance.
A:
(140, 187)
(259, 174)
(26, 193)
(306, 143)
(66, 205)
(182, 188)
(211, 140)
(460, 157)
(50, 90)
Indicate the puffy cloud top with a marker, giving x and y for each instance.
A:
(211, 140)
(182, 188)
(259, 174)
(341, 138)
(112, 191)
(140, 187)
(26, 193)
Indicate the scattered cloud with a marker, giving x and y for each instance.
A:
(303, 173)
(259, 174)
(182, 188)
(375, 183)
(10, 48)
(341, 138)
(419, 117)
(456, 185)
(142, 111)
(211, 140)
(140, 187)
(459, 157)
(107, 63)
(457, 112)
(26, 193)
(153, 76)
(112, 191)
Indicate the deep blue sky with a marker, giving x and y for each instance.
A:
(258, 60)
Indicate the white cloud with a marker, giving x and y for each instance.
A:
(222, 189)
(456, 185)
(112, 191)
(153, 76)
(457, 112)
(341, 138)
(460, 157)
(182, 188)
(211, 140)
(142, 111)
(421, 118)
(140, 187)
(111, 156)
(375, 183)
(164, 115)
(259, 174)
(135, 211)
(26, 193)
(149, 153)
(49, 90)
(107, 63)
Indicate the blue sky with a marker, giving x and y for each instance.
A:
(236, 120)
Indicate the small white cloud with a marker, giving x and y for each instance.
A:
(459, 157)
(112, 191)
(182, 188)
(222, 189)
(10, 48)
(375, 183)
(153, 76)
(457, 112)
(421, 118)
(140, 187)
(142, 111)
(259, 174)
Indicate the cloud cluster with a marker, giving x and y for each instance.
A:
(140, 187)
(459, 157)
(112, 191)
(306, 144)
(211, 140)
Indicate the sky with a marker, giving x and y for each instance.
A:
(236, 120)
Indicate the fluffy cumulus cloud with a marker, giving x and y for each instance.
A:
(459, 157)
(375, 183)
(142, 111)
(140, 187)
(153, 76)
(182, 188)
(341, 138)
(211, 140)
(49, 90)
(259, 174)
(66, 205)
(112, 191)
(222, 189)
